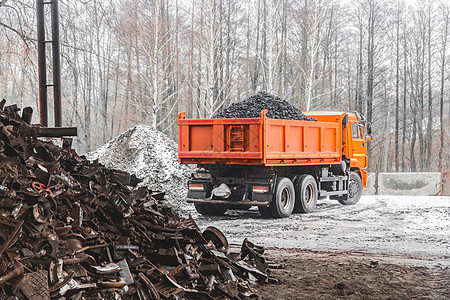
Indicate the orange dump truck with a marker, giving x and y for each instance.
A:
(280, 166)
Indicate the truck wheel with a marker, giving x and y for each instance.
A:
(239, 207)
(306, 194)
(264, 211)
(216, 209)
(211, 209)
(354, 190)
(283, 202)
(201, 208)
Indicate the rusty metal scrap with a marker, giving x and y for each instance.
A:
(35, 285)
(217, 238)
(72, 229)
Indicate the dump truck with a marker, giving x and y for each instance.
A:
(281, 166)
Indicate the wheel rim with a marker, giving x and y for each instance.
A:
(285, 197)
(353, 188)
(308, 196)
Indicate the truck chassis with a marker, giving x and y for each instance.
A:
(276, 191)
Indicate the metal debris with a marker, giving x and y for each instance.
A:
(35, 285)
(217, 238)
(72, 229)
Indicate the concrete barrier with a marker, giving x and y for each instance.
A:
(371, 184)
(414, 184)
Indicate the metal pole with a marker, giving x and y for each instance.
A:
(56, 64)
(43, 113)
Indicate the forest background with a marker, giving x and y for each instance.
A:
(141, 62)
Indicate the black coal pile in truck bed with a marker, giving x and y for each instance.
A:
(71, 229)
(252, 107)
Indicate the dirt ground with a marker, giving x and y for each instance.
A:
(384, 247)
(345, 275)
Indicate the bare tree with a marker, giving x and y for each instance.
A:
(397, 84)
(445, 14)
(141, 62)
(314, 16)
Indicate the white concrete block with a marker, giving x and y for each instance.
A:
(371, 181)
(410, 184)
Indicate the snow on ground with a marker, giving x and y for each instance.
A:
(401, 225)
(151, 156)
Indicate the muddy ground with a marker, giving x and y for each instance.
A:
(343, 275)
(328, 253)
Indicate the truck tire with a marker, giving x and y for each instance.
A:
(239, 207)
(306, 194)
(354, 190)
(211, 209)
(217, 209)
(200, 208)
(283, 201)
(265, 212)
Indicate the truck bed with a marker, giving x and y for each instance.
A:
(258, 141)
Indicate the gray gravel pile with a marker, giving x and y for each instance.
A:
(149, 155)
(252, 107)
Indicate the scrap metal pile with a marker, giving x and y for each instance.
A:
(252, 107)
(71, 229)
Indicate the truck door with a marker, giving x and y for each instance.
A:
(358, 145)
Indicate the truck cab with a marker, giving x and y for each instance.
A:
(356, 132)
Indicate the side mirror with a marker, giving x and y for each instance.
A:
(369, 132)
